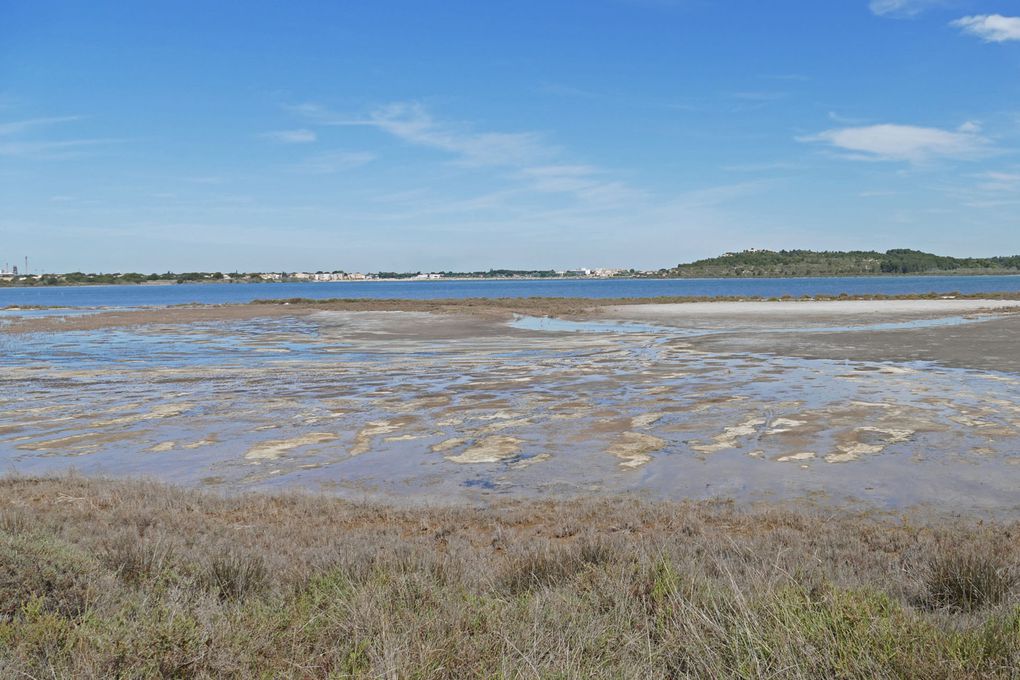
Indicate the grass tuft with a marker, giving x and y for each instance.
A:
(967, 580)
(235, 576)
(550, 565)
(136, 560)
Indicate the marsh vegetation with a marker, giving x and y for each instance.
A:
(134, 579)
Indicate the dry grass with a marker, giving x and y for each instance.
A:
(967, 579)
(132, 579)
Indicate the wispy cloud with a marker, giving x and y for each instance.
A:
(49, 150)
(412, 123)
(560, 177)
(561, 90)
(586, 182)
(753, 100)
(290, 136)
(763, 167)
(16, 140)
(329, 162)
(525, 159)
(910, 143)
(845, 120)
(990, 27)
(758, 95)
(20, 126)
(903, 8)
(791, 77)
(1000, 182)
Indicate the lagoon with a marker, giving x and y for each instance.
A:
(134, 295)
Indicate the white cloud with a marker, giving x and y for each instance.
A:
(290, 136)
(990, 27)
(902, 8)
(909, 143)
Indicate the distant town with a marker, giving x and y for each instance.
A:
(750, 263)
(10, 275)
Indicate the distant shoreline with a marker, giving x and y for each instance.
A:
(934, 274)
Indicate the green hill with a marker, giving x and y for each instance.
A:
(763, 263)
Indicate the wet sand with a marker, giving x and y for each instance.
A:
(884, 403)
(798, 329)
(989, 346)
(680, 310)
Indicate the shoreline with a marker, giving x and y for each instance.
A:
(933, 274)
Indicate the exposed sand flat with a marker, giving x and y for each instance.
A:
(76, 443)
(161, 411)
(798, 309)
(804, 455)
(645, 419)
(363, 440)
(489, 450)
(634, 449)
(448, 444)
(729, 437)
(989, 344)
(274, 449)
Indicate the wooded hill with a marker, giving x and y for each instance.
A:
(763, 263)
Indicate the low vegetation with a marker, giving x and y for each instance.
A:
(132, 579)
(784, 263)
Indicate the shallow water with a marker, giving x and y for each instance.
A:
(354, 403)
(557, 325)
(219, 293)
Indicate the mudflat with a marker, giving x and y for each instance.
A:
(943, 331)
(872, 403)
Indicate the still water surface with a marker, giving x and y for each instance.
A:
(219, 293)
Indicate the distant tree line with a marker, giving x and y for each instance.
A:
(81, 278)
(784, 263)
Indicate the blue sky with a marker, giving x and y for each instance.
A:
(466, 135)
